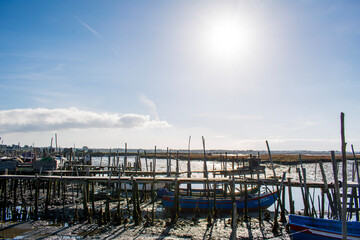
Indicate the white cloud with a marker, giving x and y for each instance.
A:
(42, 119)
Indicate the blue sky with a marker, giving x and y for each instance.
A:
(102, 73)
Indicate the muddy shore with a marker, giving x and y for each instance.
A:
(185, 228)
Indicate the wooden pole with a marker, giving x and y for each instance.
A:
(306, 206)
(326, 189)
(358, 180)
(189, 169)
(337, 206)
(206, 185)
(168, 166)
(177, 164)
(272, 165)
(344, 162)
(291, 202)
(146, 162)
(125, 157)
(234, 222)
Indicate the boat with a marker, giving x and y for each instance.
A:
(219, 191)
(9, 163)
(46, 163)
(223, 204)
(304, 227)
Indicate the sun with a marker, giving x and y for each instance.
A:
(227, 37)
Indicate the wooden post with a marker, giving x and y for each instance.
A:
(177, 164)
(306, 204)
(322, 208)
(358, 181)
(234, 222)
(206, 185)
(176, 211)
(154, 162)
(214, 205)
(337, 206)
(189, 169)
(125, 157)
(272, 165)
(291, 202)
(276, 224)
(152, 189)
(326, 189)
(109, 160)
(36, 214)
(344, 162)
(306, 190)
(146, 162)
(85, 201)
(47, 201)
(282, 214)
(168, 163)
(5, 195)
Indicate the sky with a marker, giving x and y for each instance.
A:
(153, 73)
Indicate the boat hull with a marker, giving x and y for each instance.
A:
(303, 227)
(190, 204)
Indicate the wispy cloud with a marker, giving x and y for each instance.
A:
(42, 119)
(93, 31)
(151, 105)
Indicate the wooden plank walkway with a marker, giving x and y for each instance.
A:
(168, 180)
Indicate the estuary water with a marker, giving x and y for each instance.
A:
(313, 173)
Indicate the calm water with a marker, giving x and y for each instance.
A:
(312, 171)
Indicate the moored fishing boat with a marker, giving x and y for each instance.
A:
(219, 191)
(9, 163)
(303, 227)
(223, 204)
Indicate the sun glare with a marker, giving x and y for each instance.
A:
(227, 38)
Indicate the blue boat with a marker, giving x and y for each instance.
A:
(303, 227)
(223, 204)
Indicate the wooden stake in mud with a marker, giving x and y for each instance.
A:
(47, 201)
(306, 203)
(337, 206)
(234, 209)
(291, 202)
(36, 214)
(167, 163)
(272, 165)
(136, 204)
(146, 162)
(358, 181)
(189, 169)
(5, 195)
(176, 211)
(85, 201)
(234, 222)
(153, 190)
(125, 157)
(109, 160)
(344, 162)
(177, 164)
(214, 206)
(206, 185)
(276, 224)
(154, 162)
(326, 189)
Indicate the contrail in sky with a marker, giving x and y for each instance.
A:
(93, 31)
